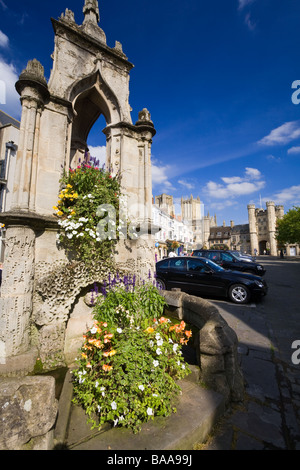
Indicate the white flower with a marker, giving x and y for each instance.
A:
(149, 411)
(160, 342)
(114, 405)
(94, 330)
(155, 363)
(99, 408)
(158, 351)
(96, 383)
(102, 389)
(69, 235)
(141, 387)
(157, 336)
(121, 418)
(151, 343)
(116, 422)
(175, 346)
(154, 395)
(170, 341)
(119, 330)
(183, 366)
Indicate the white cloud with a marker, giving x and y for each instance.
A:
(236, 186)
(4, 6)
(160, 177)
(232, 179)
(253, 173)
(11, 102)
(282, 134)
(4, 41)
(249, 22)
(273, 158)
(293, 150)
(288, 195)
(244, 3)
(186, 184)
(98, 152)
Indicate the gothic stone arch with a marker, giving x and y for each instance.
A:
(88, 78)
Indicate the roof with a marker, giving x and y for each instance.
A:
(6, 120)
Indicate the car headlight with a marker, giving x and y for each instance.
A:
(259, 267)
(259, 284)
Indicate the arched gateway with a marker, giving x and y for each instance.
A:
(88, 79)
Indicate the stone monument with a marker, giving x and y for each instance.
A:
(40, 285)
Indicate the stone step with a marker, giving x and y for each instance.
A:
(198, 411)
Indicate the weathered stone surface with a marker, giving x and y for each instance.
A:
(216, 343)
(28, 410)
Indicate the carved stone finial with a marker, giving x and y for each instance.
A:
(33, 76)
(144, 115)
(35, 71)
(91, 11)
(69, 15)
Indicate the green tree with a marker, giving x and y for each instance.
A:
(288, 228)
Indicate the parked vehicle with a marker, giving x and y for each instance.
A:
(228, 260)
(204, 277)
(241, 255)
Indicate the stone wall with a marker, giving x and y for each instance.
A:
(216, 343)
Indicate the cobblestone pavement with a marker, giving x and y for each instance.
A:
(269, 417)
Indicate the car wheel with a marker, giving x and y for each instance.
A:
(239, 294)
(160, 284)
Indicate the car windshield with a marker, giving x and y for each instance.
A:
(213, 266)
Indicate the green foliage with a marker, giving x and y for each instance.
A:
(222, 246)
(288, 228)
(130, 363)
(127, 304)
(84, 190)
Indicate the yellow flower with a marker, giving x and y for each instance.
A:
(55, 208)
(149, 329)
(59, 213)
(69, 186)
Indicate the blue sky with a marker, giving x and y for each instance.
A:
(217, 78)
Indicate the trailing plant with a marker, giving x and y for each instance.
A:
(131, 359)
(84, 190)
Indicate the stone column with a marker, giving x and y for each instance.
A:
(272, 227)
(32, 87)
(252, 228)
(16, 300)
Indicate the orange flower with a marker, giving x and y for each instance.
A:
(188, 333)
(89, 365)
(84, 356)
(110, 353)
(163, 320)
(106, 367)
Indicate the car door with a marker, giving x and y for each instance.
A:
(177, 272)
(202, 279)
(230, 262)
